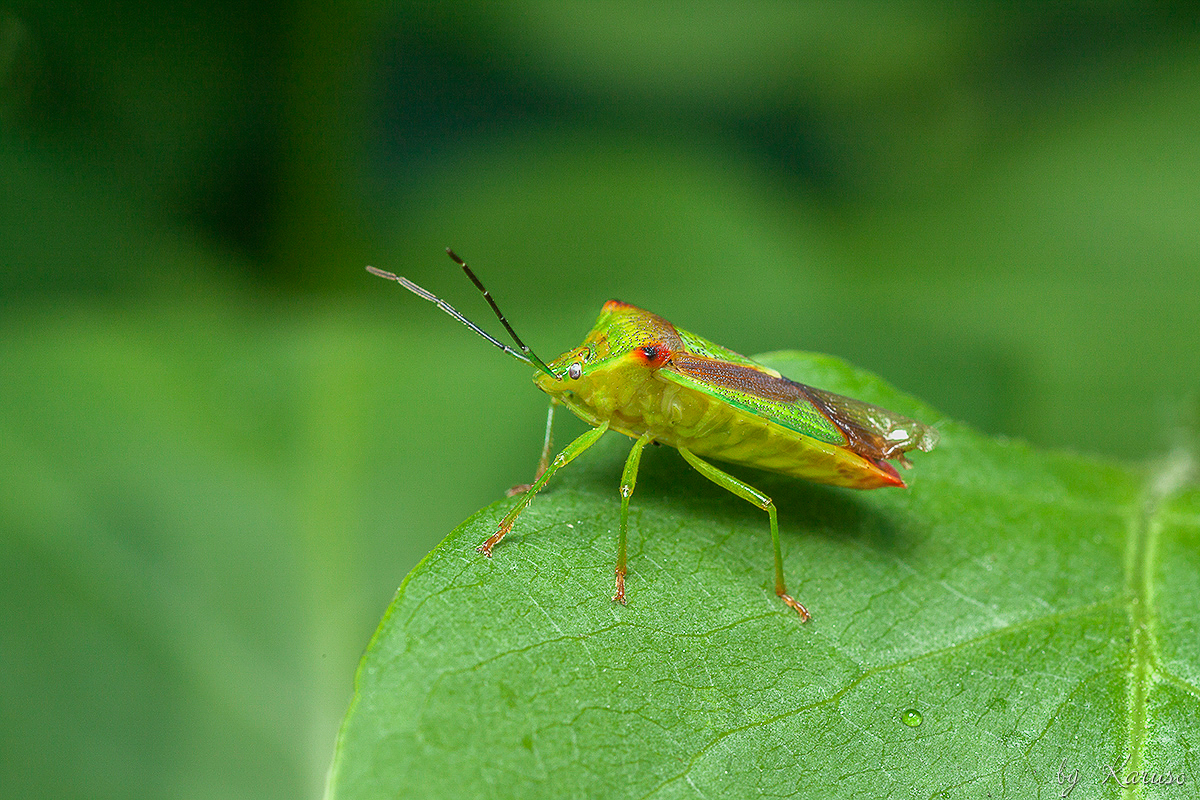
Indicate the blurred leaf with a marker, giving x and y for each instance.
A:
(715, 54)
(199, 505)
(1029, 607)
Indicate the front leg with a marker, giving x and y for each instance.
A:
(561, 460)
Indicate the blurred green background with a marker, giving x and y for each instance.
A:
(223, 444)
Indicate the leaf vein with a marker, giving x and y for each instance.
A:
(872, 672)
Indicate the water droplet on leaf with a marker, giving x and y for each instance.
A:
(911, 717)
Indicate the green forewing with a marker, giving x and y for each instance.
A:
(799, 415)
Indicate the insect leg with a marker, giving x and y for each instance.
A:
(544, 461)
(752, 495)
(562, 459)
(628, 481)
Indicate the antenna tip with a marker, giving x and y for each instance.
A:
(455, 258)
(381, 273)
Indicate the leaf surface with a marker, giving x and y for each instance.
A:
(1012, 617)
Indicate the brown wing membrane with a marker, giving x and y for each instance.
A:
(873, 431)
(739, 377)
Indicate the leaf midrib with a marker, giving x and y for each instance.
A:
(1144, 664)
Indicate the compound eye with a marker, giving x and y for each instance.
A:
(575, 371)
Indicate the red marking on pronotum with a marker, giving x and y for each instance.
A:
(655, 355)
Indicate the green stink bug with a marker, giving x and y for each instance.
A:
(640, 375)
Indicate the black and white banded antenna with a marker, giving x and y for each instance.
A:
(525, 355)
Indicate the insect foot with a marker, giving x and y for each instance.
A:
(801, 610)
(619, 597)
(486, 547)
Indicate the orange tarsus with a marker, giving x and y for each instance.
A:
(801, 610)
(619, 597)
(493, 540)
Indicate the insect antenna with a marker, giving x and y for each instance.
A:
(526, 356)
(488, 296)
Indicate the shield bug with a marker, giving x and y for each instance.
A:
(638, 374)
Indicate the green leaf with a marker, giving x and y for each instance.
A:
(1013, 614)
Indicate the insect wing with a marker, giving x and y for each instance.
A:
(867, 429)
(874, 429)
(762, 394)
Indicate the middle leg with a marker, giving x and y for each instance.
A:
(628, 481)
